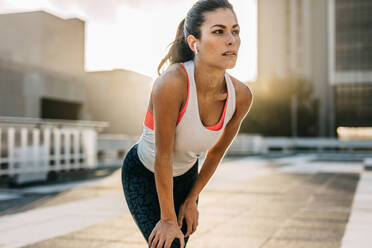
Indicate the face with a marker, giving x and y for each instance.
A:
(220, 40)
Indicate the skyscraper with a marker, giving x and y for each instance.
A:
(350, 61)
(327, 42)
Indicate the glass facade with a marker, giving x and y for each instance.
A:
(353, 53)
(353, 105)
(353, 35)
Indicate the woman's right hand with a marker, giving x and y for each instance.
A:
(165, 232)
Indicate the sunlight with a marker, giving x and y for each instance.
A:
(140, 37)
(135, 37)
(354, 132)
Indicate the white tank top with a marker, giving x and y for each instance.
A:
(192, 138)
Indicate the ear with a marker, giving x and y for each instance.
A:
(191, 41)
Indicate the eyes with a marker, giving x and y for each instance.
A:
(220, 31)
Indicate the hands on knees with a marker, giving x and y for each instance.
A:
(164, 233)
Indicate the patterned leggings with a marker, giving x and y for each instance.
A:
(141, 195)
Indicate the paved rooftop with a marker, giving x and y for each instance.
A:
(250, 202)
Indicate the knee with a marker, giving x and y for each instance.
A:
(177, 244)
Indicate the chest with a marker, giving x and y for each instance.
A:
(211, 110)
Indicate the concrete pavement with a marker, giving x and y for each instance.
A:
(250, 202)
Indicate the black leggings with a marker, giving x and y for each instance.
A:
(142, 198)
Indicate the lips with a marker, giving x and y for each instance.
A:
(229, 53)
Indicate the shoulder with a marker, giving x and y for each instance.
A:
(244, 96)
(172, 81)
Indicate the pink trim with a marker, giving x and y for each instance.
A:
(219, 125)
(187, 99)
(149, 118)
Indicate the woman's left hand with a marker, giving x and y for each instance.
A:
(189, 211)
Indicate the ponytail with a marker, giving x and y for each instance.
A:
(179, 50)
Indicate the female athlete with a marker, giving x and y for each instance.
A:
(195, 108)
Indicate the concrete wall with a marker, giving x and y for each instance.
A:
(12, 102)
(293, 40)
(21, 37)
(41, 56)
(63, 44)
(23, 86)
(41, 39)
(119, 97)
(272, 39)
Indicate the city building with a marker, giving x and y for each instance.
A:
(350, 61)
(119, 97)
(327, 42)
(44, 40)
(42, 76)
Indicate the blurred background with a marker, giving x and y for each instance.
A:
(75, 82)
(93, 60)
(76, 76)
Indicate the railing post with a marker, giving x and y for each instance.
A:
(57, 148)
(67, 148)
(36, 149)
(2, 158)
(34, 146)
(90, 145)
(46, 136)
(22, 159)
(11, 134)
(1, 151)
(75, 135)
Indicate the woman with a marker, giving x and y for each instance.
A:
(195, 107)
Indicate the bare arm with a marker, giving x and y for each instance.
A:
(216, 153)
(167, 99)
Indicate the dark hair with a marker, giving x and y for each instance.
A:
(180, 50)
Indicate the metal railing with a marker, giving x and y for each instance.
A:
(31, 147)
(319, 145)
(111, 149)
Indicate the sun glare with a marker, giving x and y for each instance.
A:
(136, 37)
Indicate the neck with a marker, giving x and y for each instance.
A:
(209, 80)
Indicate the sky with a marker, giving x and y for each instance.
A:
(135, 34)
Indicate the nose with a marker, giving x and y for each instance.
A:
(230, 39)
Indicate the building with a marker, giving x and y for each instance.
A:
(327, 42)
(31, 91)
(292, 41)
(119, 97)
(350, 61)
(43, 40)
(42, 76)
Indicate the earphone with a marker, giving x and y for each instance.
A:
(195, 50)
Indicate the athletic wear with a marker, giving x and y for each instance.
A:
(142, 198)
(192, 138)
